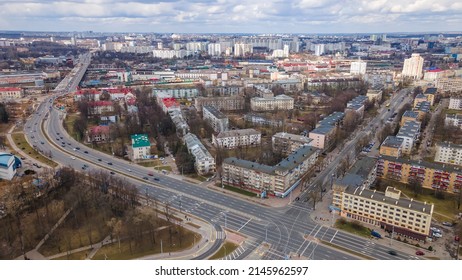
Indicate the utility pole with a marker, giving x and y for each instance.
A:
(161, 249)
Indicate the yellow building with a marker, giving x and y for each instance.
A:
(419, 98)
(391, 146)
(430, 175)
(409, 116)
(388, 210)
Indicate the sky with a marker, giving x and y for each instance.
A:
(232, 16)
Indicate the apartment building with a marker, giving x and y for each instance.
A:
(413, 66)
(431, 175)
(259, 120)
(334, 119)
(229, 103)
(11, 93)
(186, 92)
(140, 148)
(98, 134)
(100, 107)
(389, 210)
(232, 139)
(409, 116)
(449, 84)
(419, 98)
(279, 102)
(409, 132)
(374, 94)
(182, 127)
(287, 143)
(392, 146)
(278, 180)
(215, 118)
(204, 162)
(455, 103)
(8, 166)
(430, 94)
(453, 119)
(422, 108)
(323, 136)
(357, 105)
(362, 174)
(448, 153)
(224, 90)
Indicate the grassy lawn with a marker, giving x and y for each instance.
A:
(69, 124)
(144, 246)
(354, 228)
(226, 249)
(76, 256)
(197, 177)
(22, 144)
(238, 190)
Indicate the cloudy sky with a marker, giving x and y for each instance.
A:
(256, 16)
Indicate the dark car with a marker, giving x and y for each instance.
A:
(156, 179)
(78, 148)
(86, 152)
(100, 159)
(145, 178)
(110, 163)
(150, 174)
(112, 172)
(419, 253)
(393, 253)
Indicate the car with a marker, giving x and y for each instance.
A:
(438, 235)
(78, 148)
(63, 143)
(110, 163)
(73, 158)
(57, 133)
(456, 238)
(64, 146)
(74, 149)
(100, 159)
(150, 174)
(41, 142)
(68, 143)
(86, 152)
(83, 168)
(145, 178)
(434, 229)
(419, 253)
(112, 172)
(448, 224)
(297, 198)
(61, 137)
(393, 253)
(161, 158)
(129, 170)
(156, 179)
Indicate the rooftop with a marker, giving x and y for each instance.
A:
(425, 164)
(293, 137)
(381, 197)
(140, 140)
(278, 97)
(420, 96)
(196, 148)
(449, 145)
(431, 91)
(238, 132)
(411, 114)
(170, 102)
(332, 119)
(392, 142)
(323, 129)
(423, 106)
(215, 112)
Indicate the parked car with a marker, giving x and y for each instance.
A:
(110, 163)
(419, 253)
(156, 179)
(112, 172)
(393, 253)
(448, 224)
(438, 235)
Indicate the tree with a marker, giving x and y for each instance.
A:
(314, 196)
(4, 117)
(416, 186)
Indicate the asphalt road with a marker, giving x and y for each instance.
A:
(288, 230)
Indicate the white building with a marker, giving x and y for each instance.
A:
(140, 148)
(278, 180)
(455, 103)
(11, 93)
(319, 49)
(215, 118)
(242, 49)
(413, 66)
(287, 143)
(204, 162)
(358, 67)
(7, 166)
(409, 132)
(453, 119)
(279, 102)
(232, 139)
(449, 153)
(169, 54)
(214, 49)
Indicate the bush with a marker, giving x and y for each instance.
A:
(356, 225)
(341, 221)
(417, 245)
(398, 238)
(405, 240)
(430, 248)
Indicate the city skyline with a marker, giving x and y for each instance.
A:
(218, 16)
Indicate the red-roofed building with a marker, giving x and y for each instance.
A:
(98, 134)
(11, 93)
(89, 94)
(169, 104)
(100, 107)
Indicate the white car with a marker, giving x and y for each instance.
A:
(129, 170)
(436, 234)
(72, 157)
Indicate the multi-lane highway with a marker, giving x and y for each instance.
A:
(288, 230)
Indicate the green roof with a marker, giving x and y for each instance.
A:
(140, 140)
